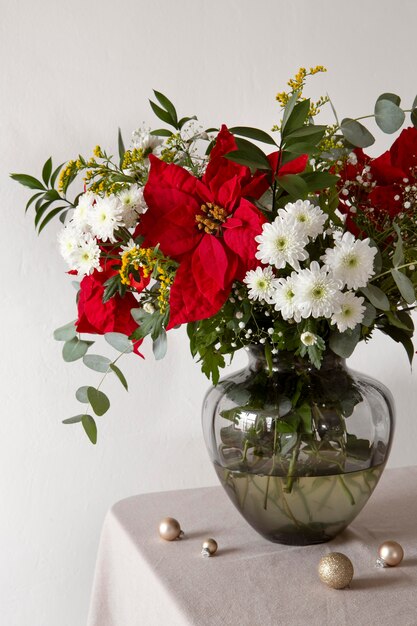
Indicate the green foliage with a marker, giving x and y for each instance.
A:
(97, 363)
(119, 342)
(75, 349)
(356, 133)
(98, 400)
(119, 375)
(388, 114)
(90, 428)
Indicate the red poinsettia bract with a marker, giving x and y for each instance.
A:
(209, 225)
(99, 318)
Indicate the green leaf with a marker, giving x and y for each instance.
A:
(388, 116)
(288, 425)
(400, 336)
(398, 256)
(46, 171)
(90, 428)
(65, 333)
(162, 114)
(392, 97)
(304, 411)
(376, 297)
(294, 185)
(111, 287)
(186, 119)
(319, 180)
(159, 346)
(212, 361)
(50, 216)
(310, 130)
(369, 314)
(75, 349)
(97, 363)
(55, 174)
(405, 286)
(81, 394)
(243, 157)
(119, 342)
(288, 109)
(297, 118)
(343, 344)
(167, 104)
(98, 400)
(119, 375)
(413, 117)
(121, 145)
(32, 199)
(27, 181)
(394, 320)
(253, 133)
(162, 132)
(73, 420)
(356, 133)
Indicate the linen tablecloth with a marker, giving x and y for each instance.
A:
(141, 580)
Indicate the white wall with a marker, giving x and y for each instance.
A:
(71, 73)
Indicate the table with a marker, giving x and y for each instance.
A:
(142, 580)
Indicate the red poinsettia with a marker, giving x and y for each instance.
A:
(206, 224)
(386, 179)
(99, 318)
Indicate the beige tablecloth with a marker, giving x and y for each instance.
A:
(141, 580)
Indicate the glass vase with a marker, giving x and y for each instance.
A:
(299, 450)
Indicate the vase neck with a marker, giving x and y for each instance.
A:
(284, 361)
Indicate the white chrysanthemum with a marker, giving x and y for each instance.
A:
(351, 261)
(143, 140)
(350, 311)
(68, 239)
(308, 338)
(284, 298)
(261, 283)
(133, 204)
(81, 216)
(106, 217)
(281, 243)
(316, 292)
(310, 217)
(86, 257)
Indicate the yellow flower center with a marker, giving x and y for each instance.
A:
(211, 218)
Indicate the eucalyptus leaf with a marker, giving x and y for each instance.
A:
(119, 342)
(75, 349)
(81, 394)
(388, 116)
(369, 314)
(343, 344)
(356, 133)
(413, 117)
(98, 400)
(65, 333)
(159, 346)
(73, 420)
(97, 363)
(405, 286)
(90, 428)
(392, 97)
(119, 375)
(376, 296)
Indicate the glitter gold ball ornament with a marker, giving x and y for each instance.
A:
(336, 570)
(169, 529)
(390, 554)
(209, 547)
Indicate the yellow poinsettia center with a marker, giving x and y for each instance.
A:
(211, 218)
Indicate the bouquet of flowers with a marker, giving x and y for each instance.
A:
(306, 246)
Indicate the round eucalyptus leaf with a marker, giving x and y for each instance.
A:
(414, 117)
(119, 342)
(392, 97)
(98, 400)
(388, 116)
(159, 346)
(356, 133)
(74, 349)
(73, 420)
(81, 394)
(65, 333)
(97, 363)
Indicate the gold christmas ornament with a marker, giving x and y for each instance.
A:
(336, 570)
(170, 529)
(209, 547)
(390, 554)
